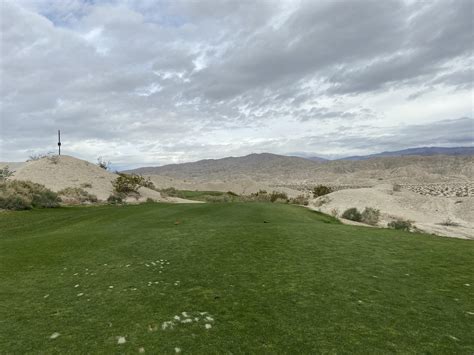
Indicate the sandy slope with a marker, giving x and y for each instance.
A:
(238, 186)
(68, 171)
(427, 212)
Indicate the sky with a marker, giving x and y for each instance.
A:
(142, 82)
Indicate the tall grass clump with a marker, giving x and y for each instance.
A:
(76, 195)
(24, 195)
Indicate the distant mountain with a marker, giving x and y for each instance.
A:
(256, 165)
(273, 169)
(423, 151)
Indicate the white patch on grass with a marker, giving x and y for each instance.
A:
(111, 287)
(54, 335)
(166, 325)
(76, 274)
(76, 286)
(121, 340)
(141, 350)
(46, 296)
(470, 313)
(80, 294)
(453, 337)
(467, 285)
(185, 314)
(208, 326)
(209, 319)
(187, 320)
(177, 350)
(176, 317)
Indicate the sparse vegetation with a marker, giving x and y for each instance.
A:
(300, 200)
(5, 173)
(400, 224)
(370, 216)
(397, 187)
(86, 185)
(279, 197)
(104, 164)
(24, 195)
(116, 198)
(321, 190)
(76, 195)
(335, 212)
(352, 214)
(129, 183)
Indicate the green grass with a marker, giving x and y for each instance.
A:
(301, 283)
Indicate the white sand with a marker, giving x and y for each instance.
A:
(72, 172)
(427, 212)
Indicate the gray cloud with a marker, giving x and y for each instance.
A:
(178, 80)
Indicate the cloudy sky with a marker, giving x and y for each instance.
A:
(144, 82)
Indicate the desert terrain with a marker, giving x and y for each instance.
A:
(435, 192)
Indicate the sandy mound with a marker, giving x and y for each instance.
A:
(57, 173)
(427, 212)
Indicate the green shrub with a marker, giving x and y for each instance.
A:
(321, 190)
(21, 195)
(352, 214)
(400, 224)
(126, 183)
(76, 195)
(370, 216)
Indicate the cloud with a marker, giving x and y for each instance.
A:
(180, 80)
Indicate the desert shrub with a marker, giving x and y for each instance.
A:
(20, 195)
(370, 216)
(150, 200)
(169, 192)
(116, 198)
(321, 190)
(232, 193)
(102, 163)
(280, 197)
(400, 224)
(5, 173)
(300, 200)
(86, 185)
(76, 195)
(397, 187)
(126, 183)
(352, 214)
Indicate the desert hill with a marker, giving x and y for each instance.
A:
(283, 170)
(60, 172)
(422, 151)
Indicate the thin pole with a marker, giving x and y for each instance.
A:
(59, 141)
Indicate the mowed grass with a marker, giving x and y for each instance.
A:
(301, 283)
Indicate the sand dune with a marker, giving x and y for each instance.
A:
(57, 173)
(427, 212)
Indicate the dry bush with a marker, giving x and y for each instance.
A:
(23, 195)
(335, 212)
(370, 216)
(76, 195)
(300, 200)
(5, 173)
(397, 187)
(400, 224)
